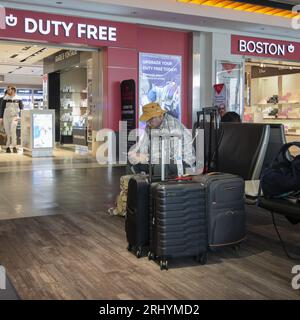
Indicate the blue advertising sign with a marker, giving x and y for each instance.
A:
(38, 92)
(160, 81)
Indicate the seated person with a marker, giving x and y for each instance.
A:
(231, 116)
(157, 118)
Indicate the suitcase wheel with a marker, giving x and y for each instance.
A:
(236, 249)
(163, 264)
(202, 258)
(139, 253)
(151, 256)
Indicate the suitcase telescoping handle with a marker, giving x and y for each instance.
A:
(212, 112)
(179, 162)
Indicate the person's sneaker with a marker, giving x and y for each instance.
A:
(8, 150)
(15, 150)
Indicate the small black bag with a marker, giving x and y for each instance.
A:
(282, 177)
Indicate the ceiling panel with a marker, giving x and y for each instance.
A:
(15, 54)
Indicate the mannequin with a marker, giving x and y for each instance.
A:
(9, 114)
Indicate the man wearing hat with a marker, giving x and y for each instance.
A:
(157, 118)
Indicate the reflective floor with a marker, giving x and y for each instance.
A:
(36, 187)
(58, 242)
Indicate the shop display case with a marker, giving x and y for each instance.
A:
(73, 110)
(38, 132)
(286, 113)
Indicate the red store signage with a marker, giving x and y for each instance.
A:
(269, 48)
(51, 28)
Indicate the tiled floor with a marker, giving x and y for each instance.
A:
(68, 247)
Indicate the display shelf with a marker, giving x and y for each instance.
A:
(288, 119)
(276, 104)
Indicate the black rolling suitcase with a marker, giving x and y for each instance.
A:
(137, 215)
(225, 207)
(225, 204)
(178, 226)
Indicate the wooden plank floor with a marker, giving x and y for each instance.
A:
(68, 247)
(84, 256)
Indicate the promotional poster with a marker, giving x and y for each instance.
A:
(42, 131)
(160, 81)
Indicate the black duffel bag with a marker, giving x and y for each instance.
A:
(282, 177)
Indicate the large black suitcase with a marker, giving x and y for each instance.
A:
(178, 227)
(137, 215)
(225, 207)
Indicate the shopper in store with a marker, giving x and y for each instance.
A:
(9, 116)
(157, 118)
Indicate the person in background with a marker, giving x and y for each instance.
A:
(221, 110)
(231, 117)
(157, 118)
(9, 116)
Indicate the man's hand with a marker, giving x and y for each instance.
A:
(135, 157)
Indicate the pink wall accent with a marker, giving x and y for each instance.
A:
(122, 64)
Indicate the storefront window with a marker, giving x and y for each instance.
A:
(272, 95)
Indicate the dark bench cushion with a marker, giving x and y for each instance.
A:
(284, 207)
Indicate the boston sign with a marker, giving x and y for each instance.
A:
(52, 28)
(269, 48)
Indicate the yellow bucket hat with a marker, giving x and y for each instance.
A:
(151, 110)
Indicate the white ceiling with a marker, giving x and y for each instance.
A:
(167, 13)
(12, 59)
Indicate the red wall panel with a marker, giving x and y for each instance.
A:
(122, 64)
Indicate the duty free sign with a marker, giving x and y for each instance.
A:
(52, 28)
(261, 47)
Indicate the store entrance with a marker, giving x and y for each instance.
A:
(272, 94)
(48, 78)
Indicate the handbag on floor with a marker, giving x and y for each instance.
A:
(120, 208)
(3, 138)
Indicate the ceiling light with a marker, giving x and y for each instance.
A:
(249, 8)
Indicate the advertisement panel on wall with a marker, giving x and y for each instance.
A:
(160, 81)
(231, 75)
(42, 131)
